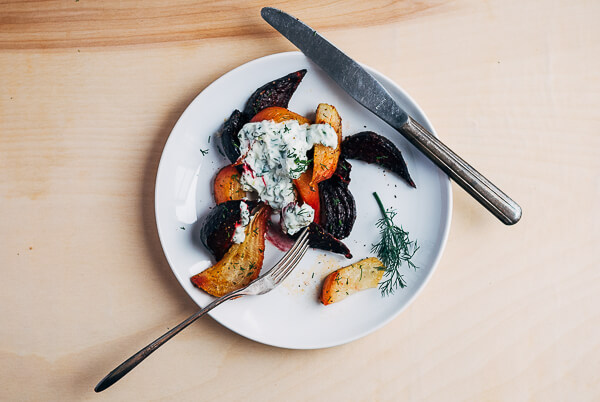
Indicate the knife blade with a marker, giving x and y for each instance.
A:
(367, 91)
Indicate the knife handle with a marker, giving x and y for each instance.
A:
(473, 182)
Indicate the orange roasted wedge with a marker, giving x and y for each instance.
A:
(326, 158)
(227, 185)
(241, 264)
(309, 192)
(278, 115)
(364, 274)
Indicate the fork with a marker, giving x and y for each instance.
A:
(259, 286)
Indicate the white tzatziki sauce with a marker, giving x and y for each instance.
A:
(296, 217)
(275, 153)
(239, 235)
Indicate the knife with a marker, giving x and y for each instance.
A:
(367, 91)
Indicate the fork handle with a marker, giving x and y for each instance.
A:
(137, 358)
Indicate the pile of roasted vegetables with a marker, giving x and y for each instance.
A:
(323, 186)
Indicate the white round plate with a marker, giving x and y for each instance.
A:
(291, 316)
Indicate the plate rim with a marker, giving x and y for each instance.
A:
(448, 210)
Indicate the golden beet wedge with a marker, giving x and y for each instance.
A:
(241, 264)
(326, 158)
(361, 275)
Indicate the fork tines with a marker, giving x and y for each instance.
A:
(289, 261)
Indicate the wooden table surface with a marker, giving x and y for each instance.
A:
(89, 91)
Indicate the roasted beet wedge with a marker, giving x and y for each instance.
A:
(319, 238)
(274, 93)
(278, 115)
(341, 283)
(326, 158)
(373, 148)
(342, 171)
(227, 186)
(229, 135)
(216, 232)
(338, 209)
(309, 193)
(242, 262)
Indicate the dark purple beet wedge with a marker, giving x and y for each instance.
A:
(338, 209)
(216, 232)
(274, 93)
(373, 148)
(319, 238)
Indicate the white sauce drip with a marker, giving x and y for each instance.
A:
(296, 217)
(240, 230)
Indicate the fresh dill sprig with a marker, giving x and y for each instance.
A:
(394, 249)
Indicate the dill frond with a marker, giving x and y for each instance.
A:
(394, 249)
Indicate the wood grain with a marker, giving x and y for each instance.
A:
(89, 92)
(78, 24)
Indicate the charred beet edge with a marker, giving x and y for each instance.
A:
(373, 148)
(338, 209)
(274, 93)
(342, 170)
(319, 238)
(216, 232)
(229, 135)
